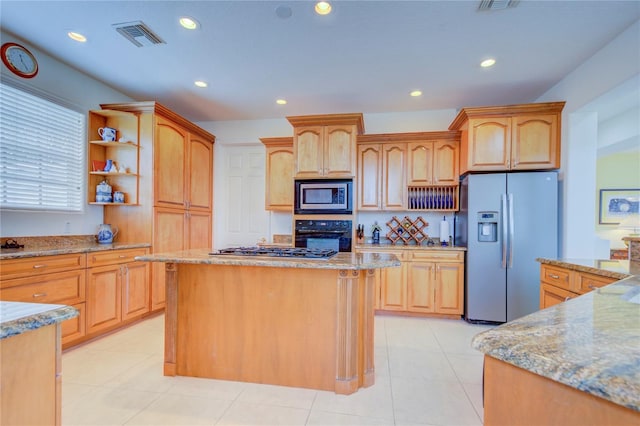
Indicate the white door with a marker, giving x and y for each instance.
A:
(239, 196)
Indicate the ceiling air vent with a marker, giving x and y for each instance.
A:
(497, 4)
(138, 33)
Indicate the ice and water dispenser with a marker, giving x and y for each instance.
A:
(488, 227)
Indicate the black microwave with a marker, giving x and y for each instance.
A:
(323, 196)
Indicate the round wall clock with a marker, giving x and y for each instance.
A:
(19, 60)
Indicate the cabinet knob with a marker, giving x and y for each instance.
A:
(554, 276)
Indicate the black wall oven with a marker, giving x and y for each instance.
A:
(323, 196)
(323, 234)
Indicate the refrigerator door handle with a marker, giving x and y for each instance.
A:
(504, 231)
(511, 230)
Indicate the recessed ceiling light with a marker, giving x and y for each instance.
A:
(281, 101)
(188, 23)
(76, 36)
(416, 93)
(323, 8)
(488, 63)
(200, 83)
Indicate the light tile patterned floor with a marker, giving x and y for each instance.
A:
(426, 374)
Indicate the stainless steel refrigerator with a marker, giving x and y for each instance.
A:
(506, 221)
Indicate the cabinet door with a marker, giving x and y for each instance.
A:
(535, 142)
(446, 159)
(103, 297)
(339, 151)
(135, 289)
(308, 151)
(74, 328)
(449, 288)
(199, 230)
(489, 144)
(420, 280)
(393, 288)
(170, 164)
(551, 296)
(200, 174)
(279, 188)
(420, 159)
(169, 235)
(369, 176)
(394, 162)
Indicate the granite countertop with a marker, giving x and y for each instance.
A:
(51, 247)
(619, 269)
(17, 317)
(591, 342)
(355, 261)
(387, 246)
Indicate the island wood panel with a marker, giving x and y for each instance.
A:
(514, 396)
(309, 328)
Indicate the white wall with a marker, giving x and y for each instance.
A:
(614, 64)
(83, 93)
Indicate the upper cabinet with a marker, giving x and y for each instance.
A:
(324, 146)
(512, 137)
(279, 174)
(408, 171)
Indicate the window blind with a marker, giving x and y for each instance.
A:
(42, 152)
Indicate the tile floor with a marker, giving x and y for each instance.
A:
(426, 374)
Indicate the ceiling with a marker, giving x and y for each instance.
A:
(366, 56)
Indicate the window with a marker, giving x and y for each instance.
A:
(42, 153)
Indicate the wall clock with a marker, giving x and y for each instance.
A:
(19, 60)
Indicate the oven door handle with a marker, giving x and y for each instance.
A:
(321, 232)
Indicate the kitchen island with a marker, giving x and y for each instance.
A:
(575, 363)
(30, 370)
(293, 322)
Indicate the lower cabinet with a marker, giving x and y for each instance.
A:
(558, 284)
(117, 288)
(429, 281)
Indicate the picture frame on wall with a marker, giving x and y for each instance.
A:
(617, 204)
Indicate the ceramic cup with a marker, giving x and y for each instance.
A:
(108, 134)
(118, 197)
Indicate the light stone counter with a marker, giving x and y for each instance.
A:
(348, 261)
(56, 245)
(611, 268)
(17, 317)
(387, 246)
(590, 343)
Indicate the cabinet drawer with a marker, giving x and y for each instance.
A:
(558, 277)
(437, 256)
(401, 254)
(63, 287)
(15, 268)
(588, 282)
(112, 257)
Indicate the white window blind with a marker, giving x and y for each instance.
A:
(42, 152)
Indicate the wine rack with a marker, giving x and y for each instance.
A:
(440, 198)
(407, 230)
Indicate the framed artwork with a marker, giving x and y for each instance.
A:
(617, 204)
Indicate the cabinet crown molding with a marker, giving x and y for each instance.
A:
(452, 135)
(505, 111)
(286, 141)
(329, 120)
(154, 107)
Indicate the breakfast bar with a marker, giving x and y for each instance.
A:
(284, 321)
(575, 363)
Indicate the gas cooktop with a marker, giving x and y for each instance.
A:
(296, 252)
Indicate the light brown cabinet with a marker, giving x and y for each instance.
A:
(429, 282)
(48, 279)
(279, 174)
(512, 137)
(117, 288)
(324, 146)
(125, 154)
(176, 187)
(558, 284)
(402, 171)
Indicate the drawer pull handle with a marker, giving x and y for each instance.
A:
(554, 276)
(123, 256)
(36, 295)
(39, 266)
